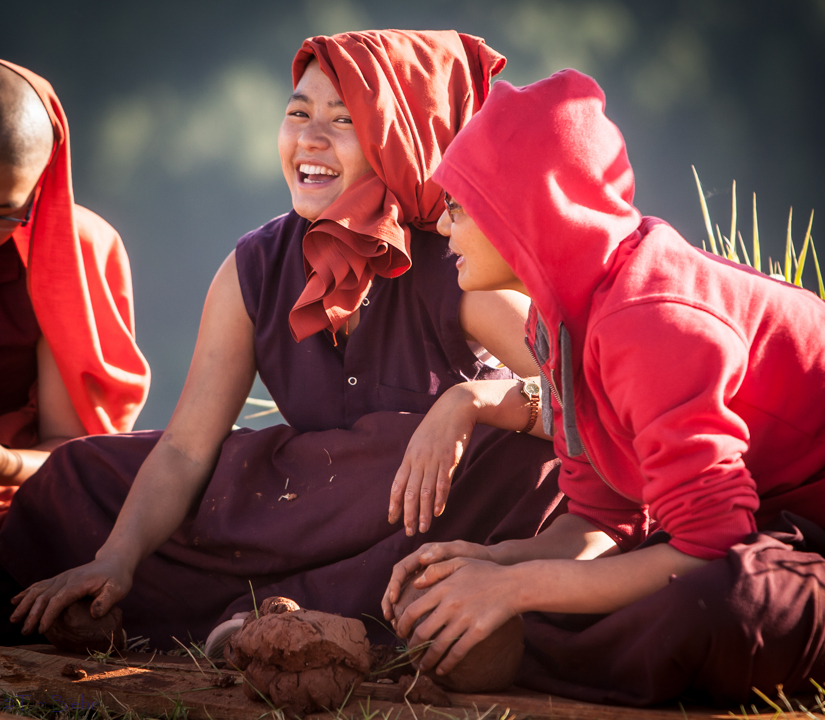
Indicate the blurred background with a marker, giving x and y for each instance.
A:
(174, 108)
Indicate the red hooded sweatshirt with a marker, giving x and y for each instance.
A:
(685, 388)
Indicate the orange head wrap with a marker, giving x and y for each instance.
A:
(408, 93)
(81, 290)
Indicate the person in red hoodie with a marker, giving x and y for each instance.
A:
(685, 396)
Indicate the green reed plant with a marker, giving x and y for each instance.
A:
(790, 271)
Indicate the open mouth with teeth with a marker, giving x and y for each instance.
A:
(314, 174)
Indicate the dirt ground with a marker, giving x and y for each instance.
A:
(155, 685)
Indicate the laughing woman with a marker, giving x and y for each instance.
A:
(348, 308)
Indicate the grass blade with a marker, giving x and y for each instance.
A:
(254, 602)
(261, 403)
(732, 235)
(818, 271)
(757, 254)
(705, 213)
(770, 702)
(788, 246)
(728, 252)
(744, 250)
(803, 253)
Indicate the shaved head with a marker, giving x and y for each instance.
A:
(26, 135)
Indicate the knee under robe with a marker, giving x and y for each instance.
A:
(298, 510)
(754, 618)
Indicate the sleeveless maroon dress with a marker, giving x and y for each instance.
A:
(351, 411)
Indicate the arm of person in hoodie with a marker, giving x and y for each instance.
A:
(670, 390)
(421, 486)
(469, 598)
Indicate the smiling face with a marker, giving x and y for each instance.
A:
(320, 153)
(479, 264)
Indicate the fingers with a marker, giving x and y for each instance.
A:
(428, 489)
(56, 602)
(400, 572)
(108, 596)
(399, 484)
(442, 489)
(24, 602)
(438, 571)
(436, 552)
(39, 605)
(450, 640)
(32, 608)
(405, 625)
(458, 651)
(411, 501)
(438, 630)
(33, 603)
(427, 554)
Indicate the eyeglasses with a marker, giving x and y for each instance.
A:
(22, 222)
(452, 206)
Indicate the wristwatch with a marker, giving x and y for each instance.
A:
(531, 390)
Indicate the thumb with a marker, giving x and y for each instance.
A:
(437, 571)
(103, 602)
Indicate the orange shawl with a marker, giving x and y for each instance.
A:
(408, 93)
(81, 290)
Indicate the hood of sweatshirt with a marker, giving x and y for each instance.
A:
(545, 176)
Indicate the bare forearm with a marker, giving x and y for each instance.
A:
(569, 537)
(497, 403)
(180, 465)
(161, 496)
(17, 466)
(603, 585)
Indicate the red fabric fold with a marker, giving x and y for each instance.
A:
(408, 93)
(81, 290)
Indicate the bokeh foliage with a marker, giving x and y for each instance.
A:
(174, 109)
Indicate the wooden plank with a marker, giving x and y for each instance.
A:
(153, 685)
(144, 689)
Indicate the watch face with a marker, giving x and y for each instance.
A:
(532, 388)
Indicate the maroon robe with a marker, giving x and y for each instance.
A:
(352, 410)
(754, 618)
(19, 333)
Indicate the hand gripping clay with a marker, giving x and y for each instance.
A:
(491, 666)
(75, 630)
(301, 660)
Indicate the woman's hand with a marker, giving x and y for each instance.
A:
(422, 483)
(39, 605)
(468, 600)
(421, 558)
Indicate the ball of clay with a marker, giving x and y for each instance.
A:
(277, 605)
(301, 659)
(490, 666)
(75, 630)
(420, 689)
(300, 693)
